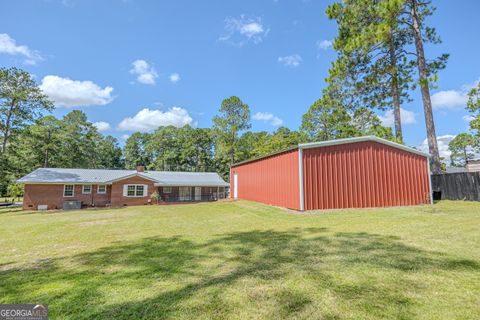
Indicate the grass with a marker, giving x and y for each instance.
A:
(243, 260)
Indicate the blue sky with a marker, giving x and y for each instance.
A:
(140, 64)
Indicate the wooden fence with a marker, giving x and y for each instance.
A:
(456, 186)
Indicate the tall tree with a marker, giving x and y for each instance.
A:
(462, 149)
(108, 154)
(21, 102)
(249, 143)
(39, 144)
(473, 106)
(234, 117)
(366, 122)
(414, 16)
(135, 152)
(79, 140)
(373, 68)
(326, 120)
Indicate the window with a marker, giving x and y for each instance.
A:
(102, 188)
(134, 190)
(185, 193)
(87, 189)
(68, 190)
(167, 189)
(139, 191)
(130, 191)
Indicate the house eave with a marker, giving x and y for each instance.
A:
(362, 139)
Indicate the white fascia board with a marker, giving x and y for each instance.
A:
(131, 176)
(362, 139)
(62, 182)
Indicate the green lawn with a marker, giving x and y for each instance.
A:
(244, 260)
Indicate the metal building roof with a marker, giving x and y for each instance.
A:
(104, 176)
(337, 142)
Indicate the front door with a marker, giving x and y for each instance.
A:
(235, 186)
(185, 194)
(198, 193)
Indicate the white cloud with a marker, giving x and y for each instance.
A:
(73, 93)
(407, 117)
(125, 136)
(102, 126)
(148, 120)
(324, 44)
(293, 60)
(468, 118)
(268, 117)
(239, 31)
(145, 73)
(174, 77)
(442, 142)
(451, 99)
(9, 46)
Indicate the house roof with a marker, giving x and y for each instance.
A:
(455, 169)
(337, 142)
(104, 176)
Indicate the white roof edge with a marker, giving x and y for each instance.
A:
(360, 139)
(61, 182)
(136, 174)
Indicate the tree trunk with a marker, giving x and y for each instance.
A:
(427, 103)
(6, 131)
(45, 164)
(395, 93)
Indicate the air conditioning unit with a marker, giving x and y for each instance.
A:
(72, 205)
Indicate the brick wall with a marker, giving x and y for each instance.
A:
(118, 200)
(52, 195)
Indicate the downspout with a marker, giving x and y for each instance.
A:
(91, 190)
(300, 177)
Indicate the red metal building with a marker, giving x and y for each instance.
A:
(347, 173)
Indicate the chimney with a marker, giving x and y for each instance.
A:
(140, 168)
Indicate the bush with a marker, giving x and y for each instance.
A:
(15, 190)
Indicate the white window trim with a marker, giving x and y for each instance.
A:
(83, 189)
(98, 189)
(125, 190)
(165, 189)
(73, 190)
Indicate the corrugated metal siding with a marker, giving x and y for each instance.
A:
(363, 174)
(273, 180)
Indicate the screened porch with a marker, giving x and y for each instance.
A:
(190, 193)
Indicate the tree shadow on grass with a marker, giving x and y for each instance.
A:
(157, 278)
(5, 210)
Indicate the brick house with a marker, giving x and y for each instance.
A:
(57, 188)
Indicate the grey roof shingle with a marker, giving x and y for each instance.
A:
(104, 176)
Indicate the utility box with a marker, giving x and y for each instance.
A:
(72, 205)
